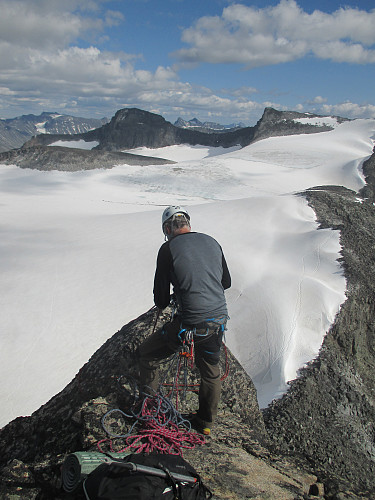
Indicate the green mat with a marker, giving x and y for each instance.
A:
(79, 465)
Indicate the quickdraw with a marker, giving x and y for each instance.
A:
(187, 349)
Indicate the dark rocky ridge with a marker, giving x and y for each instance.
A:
(328, 415)
(278, 123)
(70, 160)
(132, 128)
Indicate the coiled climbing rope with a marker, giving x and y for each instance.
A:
(161, 428)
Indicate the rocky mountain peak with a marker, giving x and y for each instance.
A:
(271, 115)
(135, 116)
(275, 123)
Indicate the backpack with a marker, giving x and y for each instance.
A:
(116, 481)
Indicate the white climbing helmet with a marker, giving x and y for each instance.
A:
(171, 211)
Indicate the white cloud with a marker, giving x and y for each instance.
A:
(44, 68)
(273, 35)
(345, 109)
(338, 51)
(22, 24)
(203, 103)
(45, 65)
(349, 110)
(6, 91)
(39, 55)
(113, 18)
(85, 71)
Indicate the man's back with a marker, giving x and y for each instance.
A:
(194, 263)
(198, 271)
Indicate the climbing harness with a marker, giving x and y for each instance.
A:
(183, 361)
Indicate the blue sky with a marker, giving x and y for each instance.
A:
(216, 60)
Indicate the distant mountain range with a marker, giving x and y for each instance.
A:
(208, 127)
(14, 132)
(132, 128)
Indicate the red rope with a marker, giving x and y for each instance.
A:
(157, 434)
(170, 440)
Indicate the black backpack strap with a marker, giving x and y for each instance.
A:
(174, 485)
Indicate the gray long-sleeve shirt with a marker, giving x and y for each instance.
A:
(195, 265)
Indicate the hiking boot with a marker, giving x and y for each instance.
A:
(200, 425)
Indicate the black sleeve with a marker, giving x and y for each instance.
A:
(226, 280)
(162, 283)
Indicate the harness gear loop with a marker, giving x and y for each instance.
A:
(187, 348)
(184, 362)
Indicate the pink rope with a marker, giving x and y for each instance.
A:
(158, 434)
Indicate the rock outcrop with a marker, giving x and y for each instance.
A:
(276, 123)
(71, 160)
(235, 462)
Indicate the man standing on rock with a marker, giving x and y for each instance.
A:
(195, 265)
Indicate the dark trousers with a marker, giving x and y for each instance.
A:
(165, 342)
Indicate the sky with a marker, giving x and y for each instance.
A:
(217, 60)
(78, 253)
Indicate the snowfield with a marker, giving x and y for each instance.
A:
(78, 253)
(81, 144)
